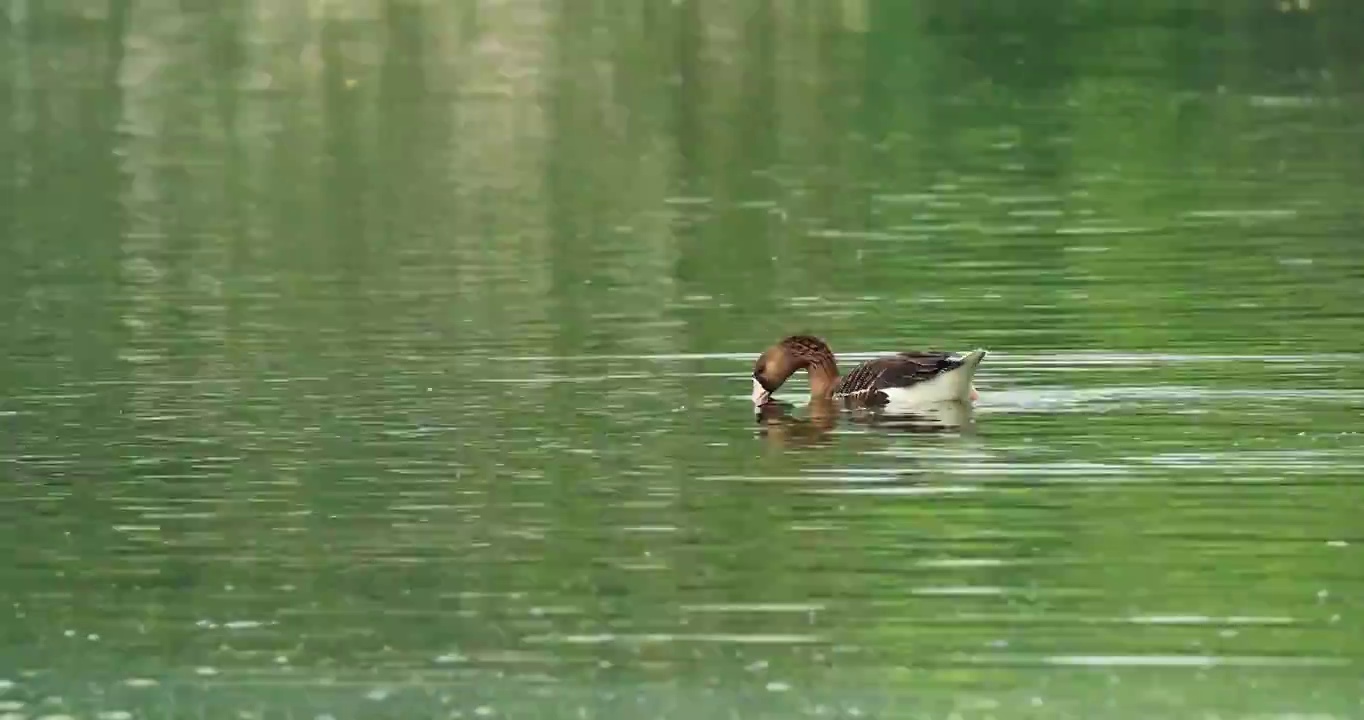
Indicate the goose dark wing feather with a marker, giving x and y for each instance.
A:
(899, 370)
(861, 379)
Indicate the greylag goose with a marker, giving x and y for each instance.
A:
(909, 377)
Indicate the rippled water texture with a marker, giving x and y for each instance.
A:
(391, 360)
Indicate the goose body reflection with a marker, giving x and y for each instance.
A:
(780, 424)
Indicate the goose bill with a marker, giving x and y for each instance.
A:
(760, 394)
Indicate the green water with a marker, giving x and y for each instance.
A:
(390, 360)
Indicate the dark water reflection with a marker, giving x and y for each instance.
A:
(390, 360)
(783, 425)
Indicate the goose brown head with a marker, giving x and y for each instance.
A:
(782, 360)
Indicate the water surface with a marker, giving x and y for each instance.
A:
(391, 360)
